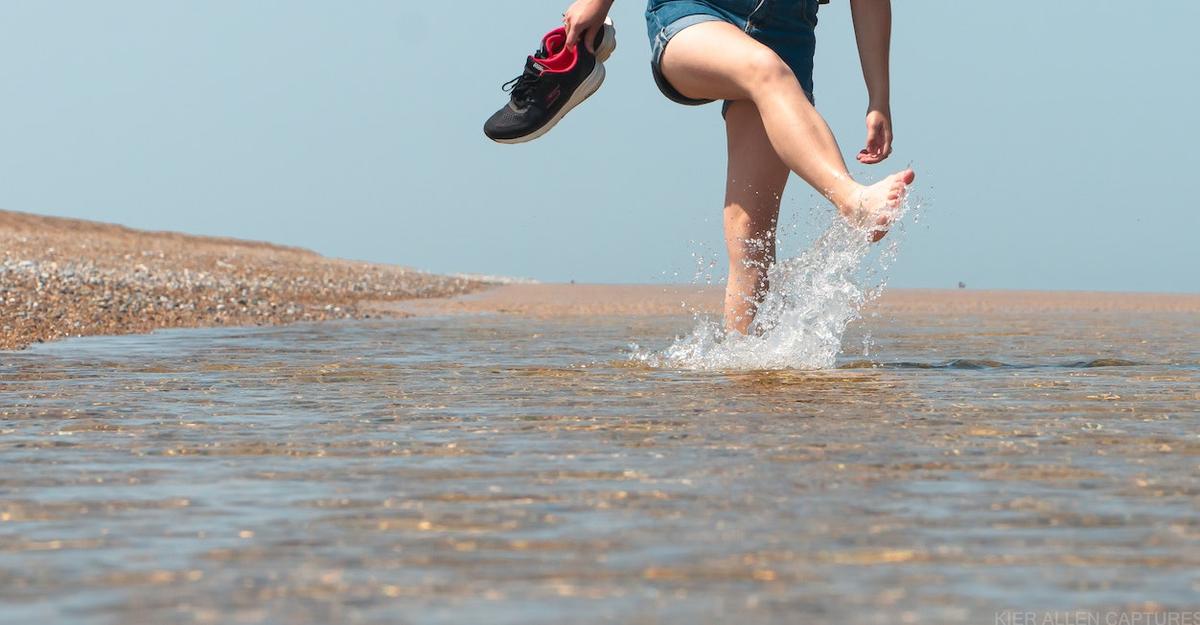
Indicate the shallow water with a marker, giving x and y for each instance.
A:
(507, 470)
(802, 320)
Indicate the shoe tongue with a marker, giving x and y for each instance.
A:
(534, 66)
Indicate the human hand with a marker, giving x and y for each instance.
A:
(879, 137)
(583, 18)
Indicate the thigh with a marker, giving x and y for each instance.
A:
(756, 175)
(715, 60)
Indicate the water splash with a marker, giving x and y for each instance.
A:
(801, 321)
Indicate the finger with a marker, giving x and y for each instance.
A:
(572, 32)
(588, 40)
(887, 144)
(872, 140)
(867, 158)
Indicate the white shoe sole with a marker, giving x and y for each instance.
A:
(608, 44)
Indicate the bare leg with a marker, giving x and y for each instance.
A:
(754, 184)
(715, 60)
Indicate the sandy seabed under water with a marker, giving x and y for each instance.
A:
(996, 451)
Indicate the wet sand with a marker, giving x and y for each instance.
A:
(68, 277)
(64, 277)
(567, 300)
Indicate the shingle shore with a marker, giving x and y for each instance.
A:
(67, 277)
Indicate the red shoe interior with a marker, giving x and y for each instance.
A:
(554, 40)
(561, 59)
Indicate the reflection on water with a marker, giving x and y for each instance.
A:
(500, 470)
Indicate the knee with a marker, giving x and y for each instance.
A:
(749, 239)
(764, 68)
(740, 225)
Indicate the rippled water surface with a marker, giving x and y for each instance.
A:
(506, 470)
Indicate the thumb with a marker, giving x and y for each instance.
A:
(873, 138)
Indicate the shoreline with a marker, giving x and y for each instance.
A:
(548, 300)
(62, 278)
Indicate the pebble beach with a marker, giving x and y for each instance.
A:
(65, 277)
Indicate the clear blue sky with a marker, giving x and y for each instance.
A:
(1056, 143)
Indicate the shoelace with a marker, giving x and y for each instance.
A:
(522, 87)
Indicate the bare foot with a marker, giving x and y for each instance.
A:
(874, 207)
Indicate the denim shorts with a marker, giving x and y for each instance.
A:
(786, 26)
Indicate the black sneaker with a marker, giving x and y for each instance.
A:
(556, 79)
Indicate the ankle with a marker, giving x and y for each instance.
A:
(846, 194)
